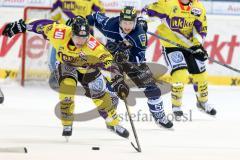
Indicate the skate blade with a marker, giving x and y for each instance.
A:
(14, 150)
(169, 129)
(67, 138)
(116, 133)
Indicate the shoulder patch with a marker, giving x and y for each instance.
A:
(100, 18)
(93, 43)
(59, 33)
(143, 39)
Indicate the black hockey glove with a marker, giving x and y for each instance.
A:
(142, 22)
(14, 28)
(121, 57)
(122, 52)
(199, 52)
(120, 86)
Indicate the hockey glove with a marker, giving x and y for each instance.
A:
(121, 57)
(199, 52)
(123, 51)
(14, 28)
(120, 86)
(142, 22)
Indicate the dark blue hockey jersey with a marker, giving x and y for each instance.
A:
(109, 27)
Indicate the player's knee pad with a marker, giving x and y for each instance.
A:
(106, 109)
(152, 92)
(199, 77)
(104, 101)
(200, 85)
(67, 88)
(180, 76)
(104, 104)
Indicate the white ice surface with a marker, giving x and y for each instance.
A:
(27, 119)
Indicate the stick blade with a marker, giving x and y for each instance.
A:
(14, 150)
(137, 149)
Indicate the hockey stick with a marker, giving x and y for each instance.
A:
(191, 51)
(14, 150)
(138, 148)
(1, 97)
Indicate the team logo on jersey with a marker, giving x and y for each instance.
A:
(177, 57)
(66, 58)
(179, 23)
(196, 12)
(59, 33)
(143, 39)
(97, 85)
(69, 68)
(93, 43)
(83, 56)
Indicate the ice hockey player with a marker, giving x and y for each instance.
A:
(62, 10)
(185, 23)
(125, 35)
(80, 57)
(1, 97)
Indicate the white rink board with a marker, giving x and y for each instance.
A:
(222, 31)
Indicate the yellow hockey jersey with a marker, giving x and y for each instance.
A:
(93, 54)
(62, 10)
(186, 25)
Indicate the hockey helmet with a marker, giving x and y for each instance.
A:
(128, 13)
(80, 27)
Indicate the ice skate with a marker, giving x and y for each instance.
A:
(67, 132)
(207, 108)
(177, 111)
(119, 130)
